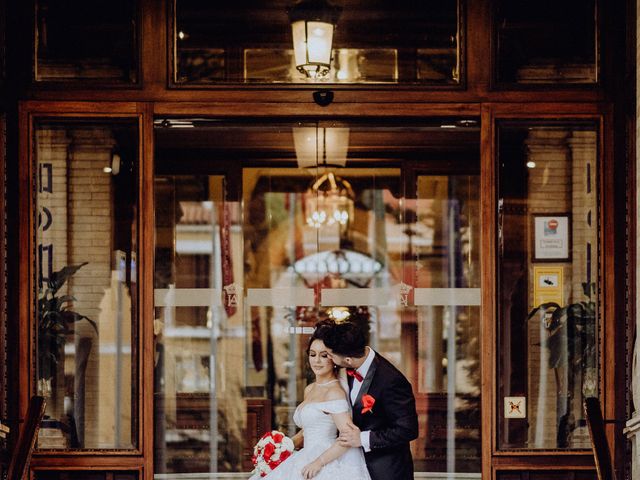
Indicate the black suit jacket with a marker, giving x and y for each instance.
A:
(393, 421)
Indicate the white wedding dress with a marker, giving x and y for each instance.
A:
(319, 434)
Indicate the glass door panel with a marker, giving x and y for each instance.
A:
(86, 173)
(549, 282)
(263, 230)
(445, 320)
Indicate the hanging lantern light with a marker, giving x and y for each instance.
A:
(321, 146)
(312, 25)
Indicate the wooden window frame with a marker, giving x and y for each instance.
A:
(171, 62)
(156, 83)
(610, 335)
(29, 19)
(102, 459)
(601, 64)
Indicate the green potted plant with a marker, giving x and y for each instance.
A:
(571, 344)
(56, 320)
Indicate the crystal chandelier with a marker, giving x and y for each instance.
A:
(329, 201)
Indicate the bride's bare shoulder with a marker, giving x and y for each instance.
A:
(307, 389)
(335, 392)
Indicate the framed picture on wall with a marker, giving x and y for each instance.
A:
(551, 237)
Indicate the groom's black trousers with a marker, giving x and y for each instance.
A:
(393, 421)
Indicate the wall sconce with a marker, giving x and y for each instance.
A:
(321, 146)
(312, 25)
(114, 168)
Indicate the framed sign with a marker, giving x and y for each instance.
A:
(548, 285)
(551, 237)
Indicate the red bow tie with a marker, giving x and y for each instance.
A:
(352, 372)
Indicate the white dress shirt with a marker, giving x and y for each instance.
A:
(355, 389)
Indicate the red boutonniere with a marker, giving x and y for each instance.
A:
(367, 402)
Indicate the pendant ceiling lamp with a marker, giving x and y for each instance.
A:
(329, 201)
(312, 25)
(321, 146)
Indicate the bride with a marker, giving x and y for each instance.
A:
(324, 411)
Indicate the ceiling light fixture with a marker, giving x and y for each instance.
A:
(321, 146)
(329, 201)
(312, 25)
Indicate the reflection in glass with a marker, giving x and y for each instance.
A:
(329, 201)
(242, 277)
(252, 42)
(78, 40)
(549, 283)
(547, 42)
(348, 65)
(86, 200)
(200, 412)
(445, 244)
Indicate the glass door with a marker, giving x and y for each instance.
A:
(264, 229)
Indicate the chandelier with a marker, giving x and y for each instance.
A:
(329, 201)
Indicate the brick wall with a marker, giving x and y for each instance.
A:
(563, 180)
(82, 213)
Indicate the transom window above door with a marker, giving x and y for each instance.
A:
(310, 41)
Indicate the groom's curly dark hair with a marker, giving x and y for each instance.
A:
(347, 339)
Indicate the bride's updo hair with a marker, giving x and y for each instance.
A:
(322, 329)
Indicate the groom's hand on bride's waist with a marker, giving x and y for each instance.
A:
(350, 436)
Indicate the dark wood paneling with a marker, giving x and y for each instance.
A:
(146, 222)
(488, 268)
(258, 422)
(286, 101)
(85, 475)
(3, 293)
(547, 475)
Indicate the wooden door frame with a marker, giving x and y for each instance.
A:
(493, 460)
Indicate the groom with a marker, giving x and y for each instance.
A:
(384, 408)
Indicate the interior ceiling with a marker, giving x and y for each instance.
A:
(276, 142)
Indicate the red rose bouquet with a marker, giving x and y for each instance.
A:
(271, 450)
